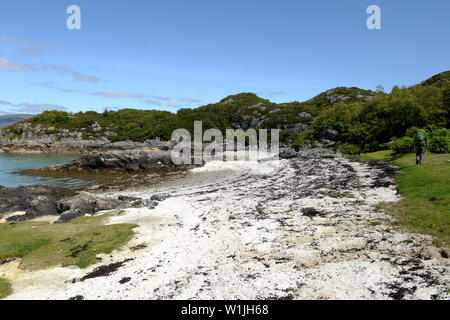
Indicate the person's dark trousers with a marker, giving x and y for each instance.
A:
(420, 150)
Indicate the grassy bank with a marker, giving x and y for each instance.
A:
(5, 288)
(41, 245)
(425, 207)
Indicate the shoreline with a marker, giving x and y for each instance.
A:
(306, 228)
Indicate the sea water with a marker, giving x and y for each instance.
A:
(10, 164)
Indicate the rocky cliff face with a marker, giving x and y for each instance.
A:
(25, 137)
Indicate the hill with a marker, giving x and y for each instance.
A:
(352, 119)
(438, 80)
(9, 119)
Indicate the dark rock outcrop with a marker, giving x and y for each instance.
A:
(26, 137)
(44, 200)
(328, 138)
(42, 205)
(69, 215)
(35, 200)
(136, 160)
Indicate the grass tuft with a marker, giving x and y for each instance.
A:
(5, 288)
(41, 245)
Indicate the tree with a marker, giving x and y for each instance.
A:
(380, 89)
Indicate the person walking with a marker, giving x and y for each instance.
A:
(420, 145)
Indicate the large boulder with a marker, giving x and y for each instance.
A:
(40, 200)
(327, 138)
(89, 203)
(83, 202)
(297, 128)
(331, 135)
(303, 115)
(69, 215)
(42, 206)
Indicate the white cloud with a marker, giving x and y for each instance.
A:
(275, 93)
(11, 66)
(53, 85)
(5, 103)
(84, 78)
(38, 108)
(119, 95)
(190, 100)
(52, 67)
(161, 98)
(8, 65)
(153, 102)
(29, 48)
(47, 84)
(24, 43)
(30, 52)
(173, 104)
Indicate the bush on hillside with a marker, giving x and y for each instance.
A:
(402, 145)
(411, 132)
(440, 141)
(52, 117)
(303, 139)
(350, 149)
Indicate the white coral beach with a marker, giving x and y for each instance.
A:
(301, 228)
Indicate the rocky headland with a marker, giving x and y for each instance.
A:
(44, 139)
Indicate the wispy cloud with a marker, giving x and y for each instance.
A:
(26, 107)
(29, 48)
(53, 85)
(37, 108)
(70, 90)
(174, 104)
(119, 95)
(190, 100)
(153, 102)
(46, 84)
(76, 75)
(11, 66)
(24, 43)
(30, 52)
(161, 98)
(52, 67)
(84, 78)
(275, 93)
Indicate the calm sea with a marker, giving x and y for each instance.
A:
(10, 163)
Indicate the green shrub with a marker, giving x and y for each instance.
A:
(303, 139)
(411, 132)
(350, 149)
(287, 136)
(440, 141)
(52, 117)
(403, 145)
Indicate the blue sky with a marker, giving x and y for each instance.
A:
(171, 54)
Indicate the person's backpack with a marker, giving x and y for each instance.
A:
(420, 138)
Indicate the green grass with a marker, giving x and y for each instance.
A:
(5, 288)
(425, 207)
(41, 245)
